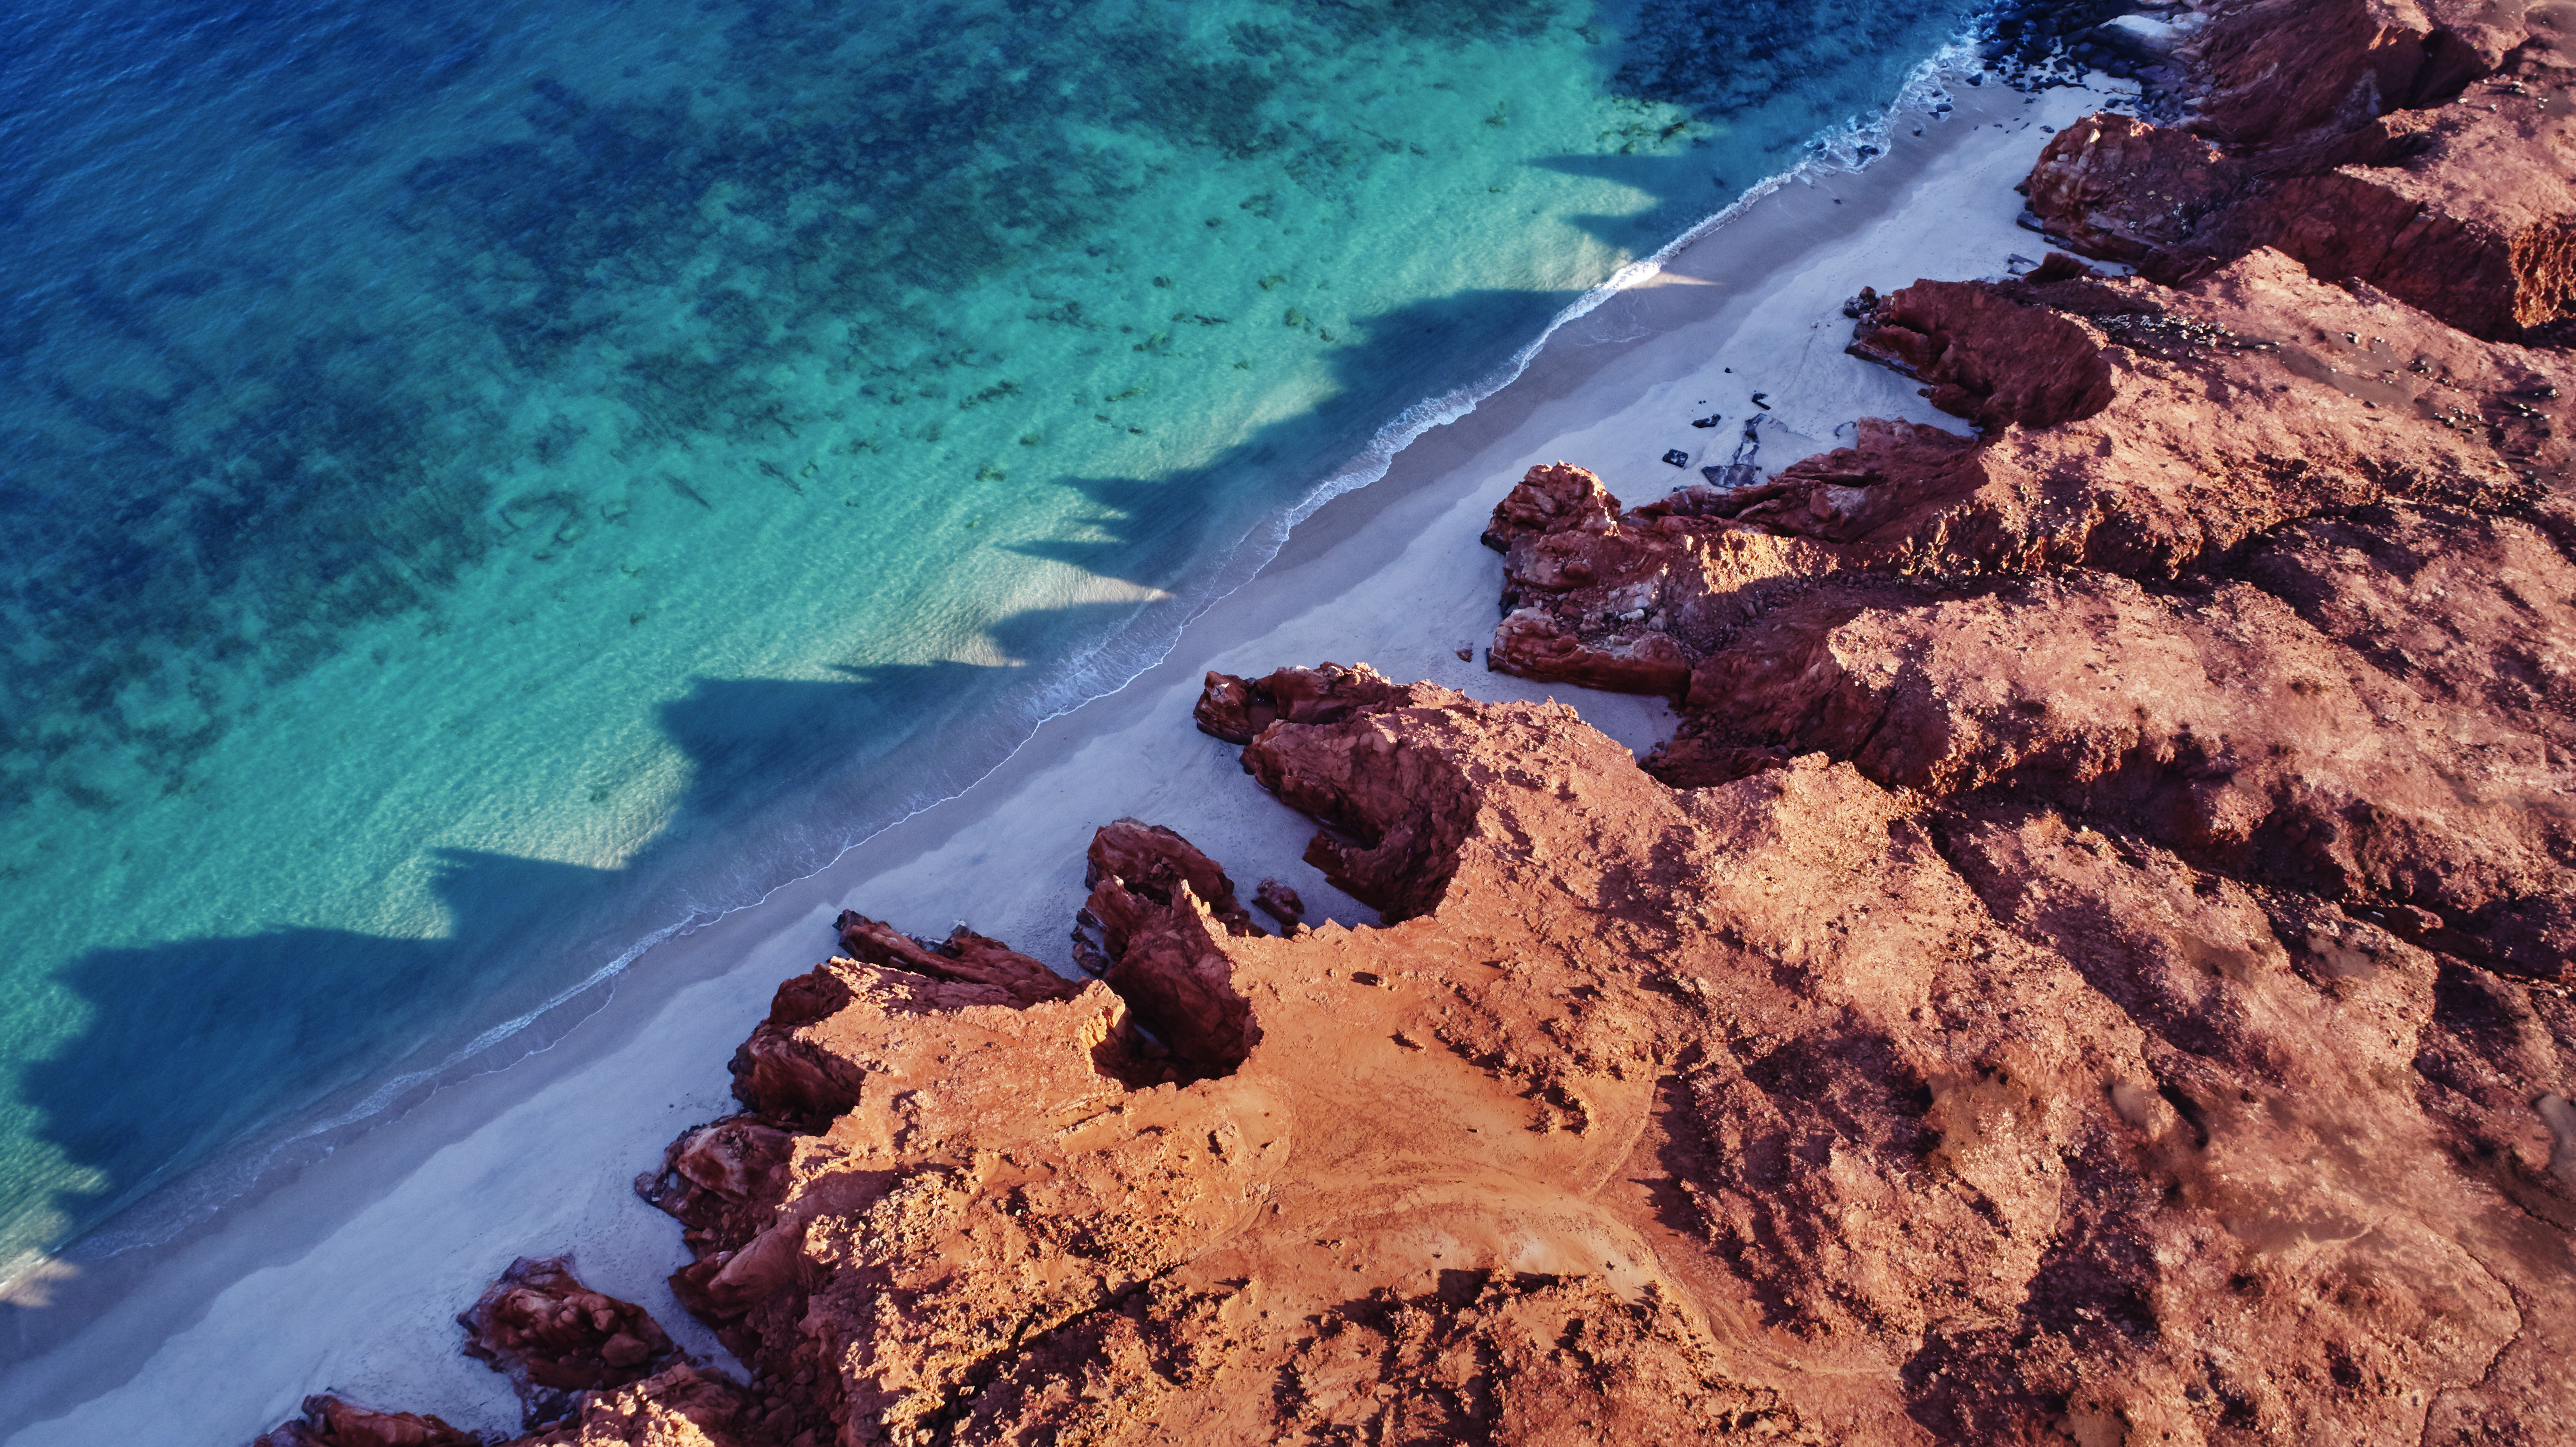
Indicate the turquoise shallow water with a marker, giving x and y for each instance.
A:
(482, 490)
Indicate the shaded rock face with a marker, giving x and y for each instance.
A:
(1281, 903)
(1236, 709)
(2464, 208)
(553, 1337)
(329, 1421)
(1990, 359)
(2283, 73)
(1163, 910)
(2117, 188)
(991, 970)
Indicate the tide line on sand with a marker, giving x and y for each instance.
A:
(347, 1276)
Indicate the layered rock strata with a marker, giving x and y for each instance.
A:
(2427, 152)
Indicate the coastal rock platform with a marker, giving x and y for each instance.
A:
(1782, 1106)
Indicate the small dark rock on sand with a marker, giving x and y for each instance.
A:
(1279, 901)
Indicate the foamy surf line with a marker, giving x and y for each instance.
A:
(1840, 150)
(163, 1211)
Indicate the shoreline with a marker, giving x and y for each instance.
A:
(419, 1213)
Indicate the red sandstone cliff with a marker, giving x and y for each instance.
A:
(1789, 1105)
(2428, 152)
(2092, 965)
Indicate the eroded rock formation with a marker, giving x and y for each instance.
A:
(1234, 709)
(680, 1406)
(2428, 152)
(1785, 1105)
(329, 1421)
(554, 1337)
(590, 1371)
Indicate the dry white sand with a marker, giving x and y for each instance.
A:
(346, 1278)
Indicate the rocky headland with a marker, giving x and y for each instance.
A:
(2092, 964)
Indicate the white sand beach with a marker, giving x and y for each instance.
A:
(347, 1277)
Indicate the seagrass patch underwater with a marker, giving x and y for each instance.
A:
(480, 489)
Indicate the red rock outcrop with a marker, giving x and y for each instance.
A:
(1785, 1106)
(329, 1421)
(1280, 902)
(590, 1371)
(2114, 187)
(1164, 910)
(986, 968)
(2086, 969)
(2214, 721)
(2466, 210)
(1994, 360)
(2248, 401)
(2286, 466)
(2468, 610)
(554, 1337)
(1551, 499)
(1238, 708)
(680, 1406)
(2276, 74)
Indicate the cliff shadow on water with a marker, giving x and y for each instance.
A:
(1159, 532)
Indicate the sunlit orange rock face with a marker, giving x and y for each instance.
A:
(2176, 604)
(1796, 1104)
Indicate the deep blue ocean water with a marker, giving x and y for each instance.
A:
(479, 488)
